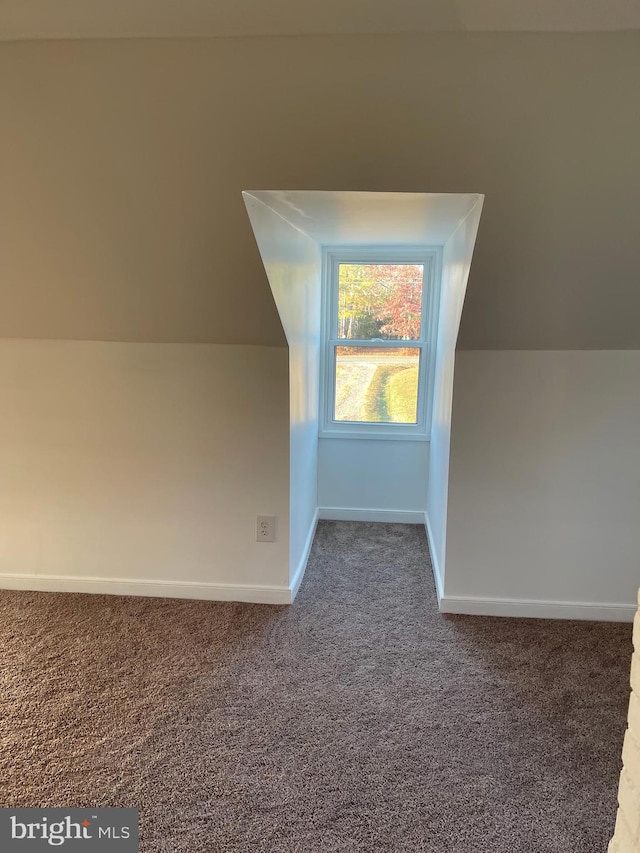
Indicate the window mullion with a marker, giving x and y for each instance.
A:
(373, 342)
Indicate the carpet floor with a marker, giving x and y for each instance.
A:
(359, 719)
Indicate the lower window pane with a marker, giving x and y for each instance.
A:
(377, 384)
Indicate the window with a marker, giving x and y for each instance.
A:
(378, 335)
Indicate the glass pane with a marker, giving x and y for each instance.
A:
(381, 301)
(377, 384)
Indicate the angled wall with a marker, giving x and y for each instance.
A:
(456, 263)
(122, 164)
(292, 262)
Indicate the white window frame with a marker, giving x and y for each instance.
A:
(332, 257)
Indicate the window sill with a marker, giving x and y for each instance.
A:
(373, 435)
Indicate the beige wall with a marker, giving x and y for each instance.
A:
(122, 165)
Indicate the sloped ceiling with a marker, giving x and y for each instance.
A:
(122, 166)
(26, 19)
(370, 219)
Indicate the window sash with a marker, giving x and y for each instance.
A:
(420, 352)
(335, 291)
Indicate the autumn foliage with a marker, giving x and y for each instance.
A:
(380, 301)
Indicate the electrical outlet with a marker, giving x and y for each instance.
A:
(266, 528)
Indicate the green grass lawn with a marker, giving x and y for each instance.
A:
(391, 395)
(401, 396)
(383, 393)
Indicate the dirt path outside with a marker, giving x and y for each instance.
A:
(352, 382)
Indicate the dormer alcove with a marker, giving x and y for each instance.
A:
(400, 477)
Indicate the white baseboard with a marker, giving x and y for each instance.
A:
(395, 516)
(155, 589)
(528, 609)
(437, 574)
(523, 608)
(296, 580)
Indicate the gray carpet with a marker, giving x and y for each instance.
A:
(358, 719)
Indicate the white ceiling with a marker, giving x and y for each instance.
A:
(42, 19)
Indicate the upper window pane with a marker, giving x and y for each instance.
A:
(382, 301)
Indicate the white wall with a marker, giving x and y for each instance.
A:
(293, 263)
(544, 493)
(140, 468)
(376, 480)
(456, 261)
